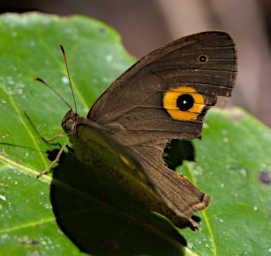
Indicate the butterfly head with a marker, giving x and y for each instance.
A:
(69, 122)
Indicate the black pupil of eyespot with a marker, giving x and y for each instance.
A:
(185, 102)
(202, 58)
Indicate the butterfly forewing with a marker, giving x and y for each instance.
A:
(133, 104)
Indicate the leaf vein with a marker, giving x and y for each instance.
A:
(27, 225)
(28, 130)
(204, 215)
(27, 170)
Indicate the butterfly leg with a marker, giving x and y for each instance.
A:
(47, 140)
(53, 162)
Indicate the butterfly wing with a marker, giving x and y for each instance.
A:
(120, 176)
(165, 95)
(138, 105)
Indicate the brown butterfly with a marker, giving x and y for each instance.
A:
(163, 96)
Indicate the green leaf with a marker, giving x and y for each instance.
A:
(233, 157)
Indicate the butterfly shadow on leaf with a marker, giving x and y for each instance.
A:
(100, 219)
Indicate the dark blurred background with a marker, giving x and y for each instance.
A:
(148, 24)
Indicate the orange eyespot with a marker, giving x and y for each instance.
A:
(183, 103)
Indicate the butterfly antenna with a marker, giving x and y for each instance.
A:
(68, 73)
(53, 90)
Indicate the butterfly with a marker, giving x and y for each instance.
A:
(163, 96)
